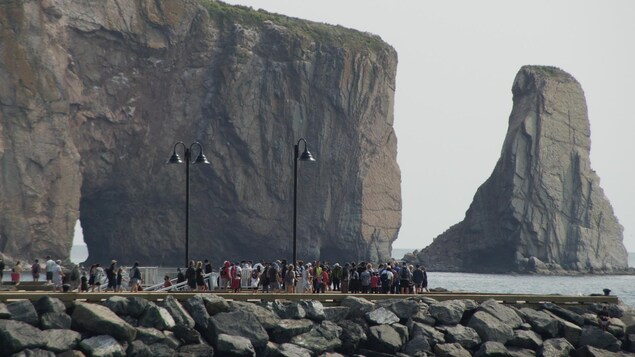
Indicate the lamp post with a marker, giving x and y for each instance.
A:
(306, 156)
(175, 159)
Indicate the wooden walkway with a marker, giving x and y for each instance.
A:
(328, 299)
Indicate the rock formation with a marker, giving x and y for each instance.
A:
(542, 209)
(93, 96)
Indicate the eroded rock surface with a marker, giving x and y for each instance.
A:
(93, 95)
(542, 209)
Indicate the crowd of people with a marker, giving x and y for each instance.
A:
(317, 277)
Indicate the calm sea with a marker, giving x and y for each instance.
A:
(621, 285)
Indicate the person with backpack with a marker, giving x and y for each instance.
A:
(386, 277)
(135, 278)
(405, 276)
(190, 276)
(417, 279)
(35, 270)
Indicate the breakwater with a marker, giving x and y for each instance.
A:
(208, 324)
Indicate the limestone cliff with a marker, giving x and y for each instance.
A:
(93, 95)
(542, 209)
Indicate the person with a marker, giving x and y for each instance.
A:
(264, 278)
(365, 279)
(255, 277)
(325, 280)
(235, 274)
(180, 277)
(16, 273)
(2, 266)
(35, 270)
(424, 284)
(58, 276)
(208, 270)
(83, 283)
(119, 278)
(336, 276)
(289, 279)
(50, 263)
(344, 278)
(417, 279)
(111, 275)
(386, 278)
(99, 276)
(135, 278)
(224, 275)
(166, 282)
(91, 277)
(200, 280)
(374, 283)
(272, 274)
(190, 275)
(604, 320)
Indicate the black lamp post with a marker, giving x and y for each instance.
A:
(175, 159)
(306, 156)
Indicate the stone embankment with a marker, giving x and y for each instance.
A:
(208, 325)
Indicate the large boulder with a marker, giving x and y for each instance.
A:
(17, 335)
(157, 317)
(358, 307)
(287, 329)
(543, 201)
(264, 316)
(94, 89)
(102, 346)
(237, 323)
(501, 312)
(324, 337)
(384, 338)
(179, 314)
(450, 350)
(381, 316)
(595, 337)
(99, 319)
(228, 345)
(489, 328)
(448, 312)
(58, 340)
(55, 320)
(23, 310)
(465, 336)
(555, 347)
(541, 322)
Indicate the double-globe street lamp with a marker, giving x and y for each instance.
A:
(176, 159)
(306, 156)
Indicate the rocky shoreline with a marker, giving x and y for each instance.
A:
(209, 325)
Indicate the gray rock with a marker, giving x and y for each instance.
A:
(265, 317)
(314, 310)
(23, 310)
(34, 353)
(238, 346)
(381, 316)
(173, 341)
(47, 304)
(17, 335)
(528, 208)
(570, 331)
(118, 305)
(450, 350)
(102, 346)
(358, 306)
(555, 347)
(384, 338)
(433, 335)
(336, 313)
(589, 351)
(288, 309)
(195, 351)
(179, 313)
(465, 336)
(595, 337)
(286, 329)
(61, 340)
(564, 313)
(525, 339)
(4, 312)
(490, 328)
(138, 349)
(416, 345)
(325, 337)
(99, 319)
(75, 353)
(157, 317)
(501, 312)
(492, 349)
(541, 322)
(629, 342)
(521, 352)
(215, 304)
(249, 327)
(55, 320)
(403, 308)
(162, 349)
(149, 335)
(187, 335)
(291, 350)
(352, 336)
(136, 306)
(447, 312)
(195, 306)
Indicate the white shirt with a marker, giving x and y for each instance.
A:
(50, 264)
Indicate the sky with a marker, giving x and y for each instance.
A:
(457, 62)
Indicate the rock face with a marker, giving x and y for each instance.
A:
(542, 209)
(93, 96)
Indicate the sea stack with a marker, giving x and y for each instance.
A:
(542, 210)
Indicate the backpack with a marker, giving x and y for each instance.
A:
(384, 278)
(404, 273)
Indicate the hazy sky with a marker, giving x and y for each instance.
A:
(457, 63)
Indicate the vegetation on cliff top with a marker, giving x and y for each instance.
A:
(319, 32)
